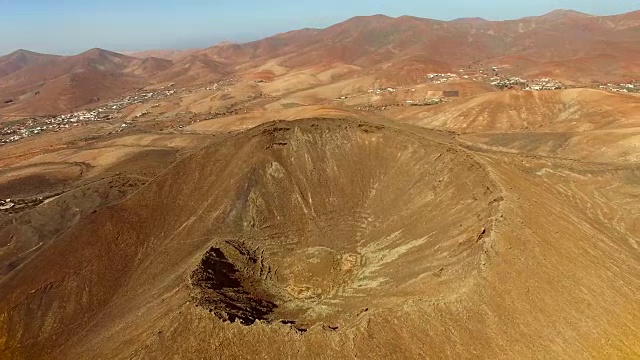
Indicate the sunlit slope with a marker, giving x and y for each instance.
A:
(575, 123)
(340, 238)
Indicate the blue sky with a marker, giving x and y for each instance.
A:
(72, 26)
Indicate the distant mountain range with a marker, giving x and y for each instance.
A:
(563, 44)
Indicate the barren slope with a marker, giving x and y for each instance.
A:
(20, 59)
(45, 84)
(572, 47)
(341, 238)
(303, 234)
(563, 44)
(575, 123)
(292, 211)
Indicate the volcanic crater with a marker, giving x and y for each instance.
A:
(331, 217)
(313, 224)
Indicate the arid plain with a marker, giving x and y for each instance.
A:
(383, 188)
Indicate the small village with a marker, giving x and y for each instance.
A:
(510, 83)
(427, 102)
(380, 91)
(505, 83)
(24, 128)
(497, 80)
(441, 78)
(29, 127)
(630, 87)
(37, 125)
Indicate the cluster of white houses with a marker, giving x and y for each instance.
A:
(631, 87)
(34, 126)
(506, 83)
(436, 78)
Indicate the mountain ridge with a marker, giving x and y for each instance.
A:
(552, 43)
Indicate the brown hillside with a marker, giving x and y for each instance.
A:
(172, 55)
(335, 238)
(20, 59)
(575, 123)
(55, 84)
(513, 111)
(564, 45)
(314, 195)
(194, 69)
(369, 41)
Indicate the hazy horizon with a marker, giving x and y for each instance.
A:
(72, 27)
